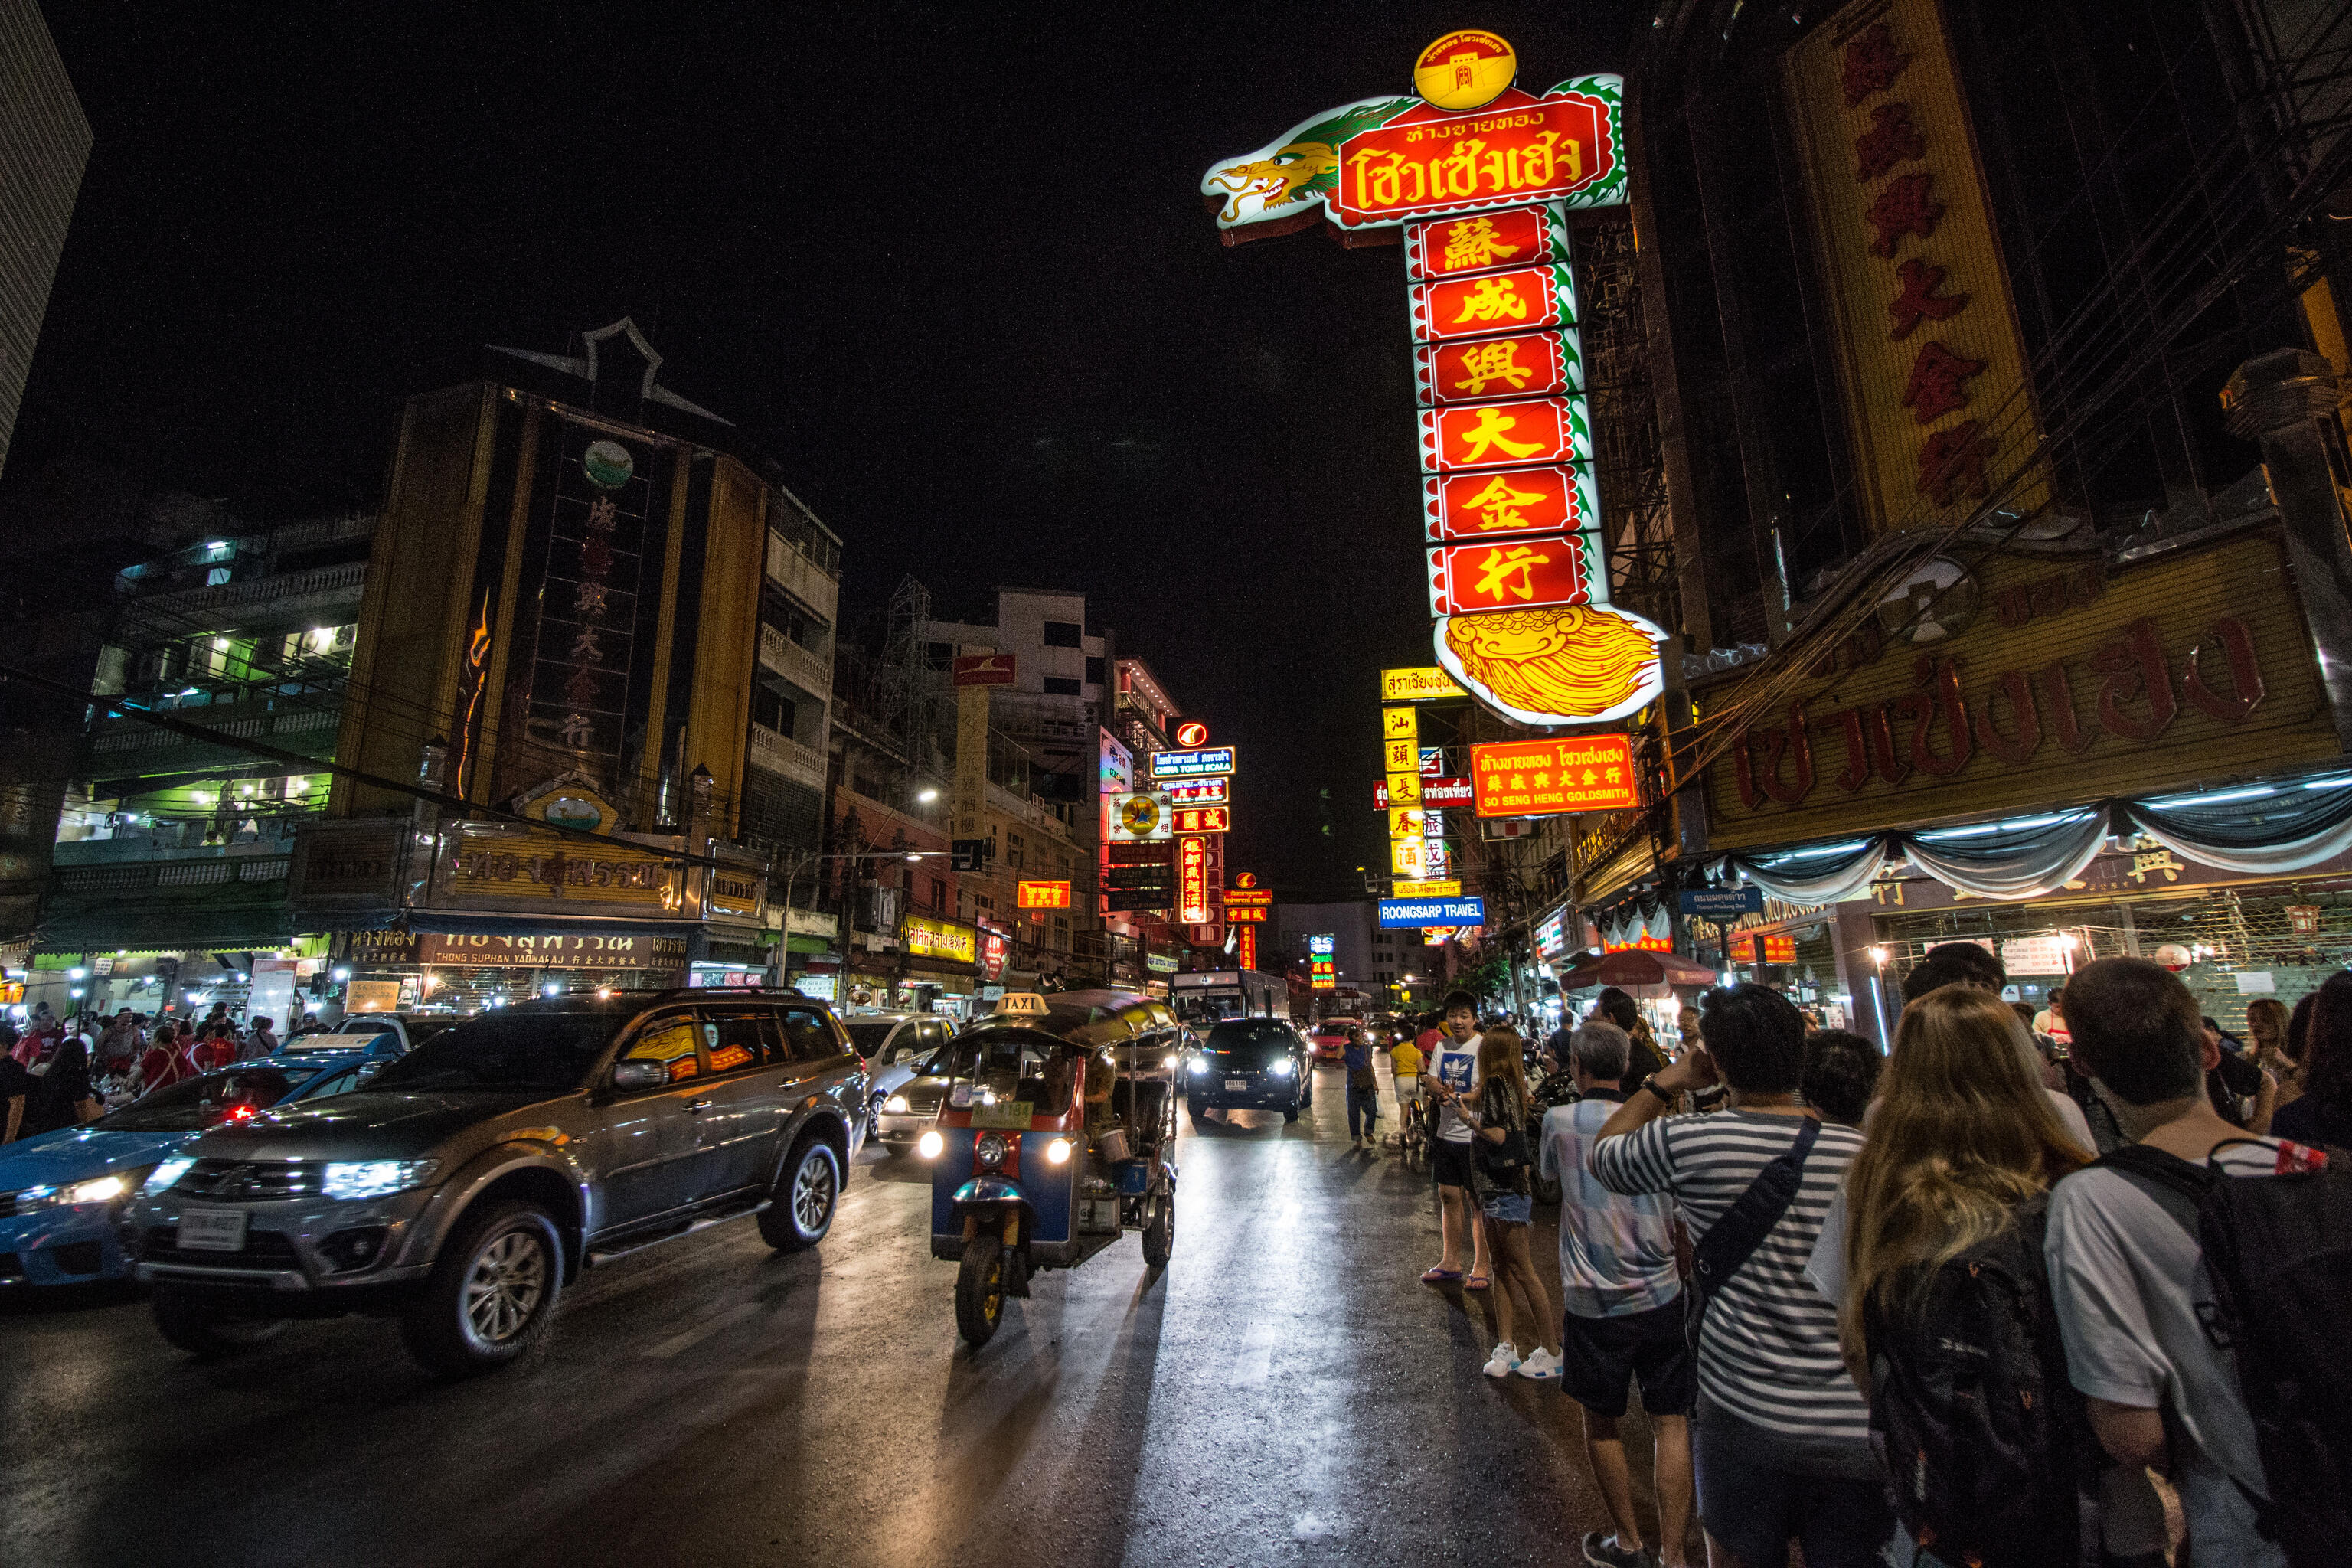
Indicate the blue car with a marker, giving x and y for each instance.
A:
(61, 1192)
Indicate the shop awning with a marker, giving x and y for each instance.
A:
(1634, 971)
(229, 930)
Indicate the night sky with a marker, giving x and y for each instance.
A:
(947, 265)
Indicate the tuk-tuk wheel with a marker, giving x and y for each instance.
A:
(980, 1289)
(1160, 1231)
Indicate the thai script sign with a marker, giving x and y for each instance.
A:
(1535, 778)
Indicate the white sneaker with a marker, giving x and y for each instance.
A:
(1504, 1362)
(1541, 1366)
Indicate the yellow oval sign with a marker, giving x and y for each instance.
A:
(1464, 70)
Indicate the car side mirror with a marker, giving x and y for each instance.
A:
(639, 1075)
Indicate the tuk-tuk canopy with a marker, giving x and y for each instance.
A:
(1089, 1018)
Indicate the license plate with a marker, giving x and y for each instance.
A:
(212, 1230)
(1236, 1083)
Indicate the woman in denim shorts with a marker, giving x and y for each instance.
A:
(1522, 1305)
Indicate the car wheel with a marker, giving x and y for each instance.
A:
(1159, 1233)
(801, 1208)
(873, 1120)
(199, 1328)
(490, 1299)
(980, 1289)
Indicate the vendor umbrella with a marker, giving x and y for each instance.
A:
(1639, 974)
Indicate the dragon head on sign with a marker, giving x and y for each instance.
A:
(1290, 177)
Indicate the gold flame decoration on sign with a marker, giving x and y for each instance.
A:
(1577, 664)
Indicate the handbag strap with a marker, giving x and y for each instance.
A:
(1733, 1240)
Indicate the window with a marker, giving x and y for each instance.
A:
(738, 1038)
(1095, 671)
(809, 1036)
(669, 1041)
(1063, 686)
(939, 655)
(1012, 850)
(771, 708)
(1065, 634)
(939, 893)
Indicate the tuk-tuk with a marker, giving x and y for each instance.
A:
(1029, 1169)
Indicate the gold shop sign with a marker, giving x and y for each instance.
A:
(930, 938)
(536, 866)
(2026, 683)
(559, 950)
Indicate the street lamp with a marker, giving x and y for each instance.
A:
(925, 797)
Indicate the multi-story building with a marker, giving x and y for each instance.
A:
(173, 843)
(1355, 948)
(597, 634)
(44, 143)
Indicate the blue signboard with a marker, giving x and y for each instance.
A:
(1723, 903)
(1214, 762)
(1395, 912)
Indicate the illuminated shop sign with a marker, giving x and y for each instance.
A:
(1193, 880)
(928, 936)
(1423, 683)
(1210, 792)
(1516, 300)
(1533, 364)
(1524, 500)
(1511, 572)
(1043, 895)
(1525, 237)
(1541, 778)
(1213, 762)
(1202, 819)
(1397, 913)
(1192, 733)
(1435, 792)
(1140, 818)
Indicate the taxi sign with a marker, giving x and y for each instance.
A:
(1021, 1004)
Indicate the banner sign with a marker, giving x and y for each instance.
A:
(1246, 914)
(927, 936)
(1396, 913)
(1432, 889)
(983, 670)
(1771, 949)
(1504, 576)
(1141, 818)
(1435, 792)
(1209, 762)
(1530, 297)
(1211, 792)
(1505, 435)
(1524, 500)
(1425, 684)
(1202, 819)
(550, 949)
(1193, 880)
(1540, 778)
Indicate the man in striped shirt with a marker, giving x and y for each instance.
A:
(1782, 1450)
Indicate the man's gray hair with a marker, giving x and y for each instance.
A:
(1601, 1048)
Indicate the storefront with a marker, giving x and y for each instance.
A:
(935, 968)
(2088, 756)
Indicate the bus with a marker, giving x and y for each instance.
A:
(1205, 995)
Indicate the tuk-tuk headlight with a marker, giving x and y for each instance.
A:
(1058, 1152)
(930, 1144)
(989, 1152)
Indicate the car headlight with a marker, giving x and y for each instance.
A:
(1173, 1058)
(896, 1105)
(170, 1170)
(67, 1195)
(1200, 1065)
(990, 1152)
(930, 1144)
(376, 1178)
(1280, 1068)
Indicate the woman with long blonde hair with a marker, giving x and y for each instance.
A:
(1963, 1145)
(1495, 1113)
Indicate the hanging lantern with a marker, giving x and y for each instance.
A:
(2303, 919)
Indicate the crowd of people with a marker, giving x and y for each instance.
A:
(58, 1072)
(1979, 1301)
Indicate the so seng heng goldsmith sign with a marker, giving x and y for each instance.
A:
(1476, 177)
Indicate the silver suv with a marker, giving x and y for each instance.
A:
(476, 1176)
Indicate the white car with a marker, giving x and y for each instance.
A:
(893, 1045)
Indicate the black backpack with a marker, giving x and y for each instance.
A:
(2278, 1249)
(1976, 1424)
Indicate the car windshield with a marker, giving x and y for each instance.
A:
(508, 1048)
(870, 1035)
(936, 1063)
(1248, 1034)
(199, 1102)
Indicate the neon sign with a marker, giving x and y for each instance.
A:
(1213, 763)
(1193, 880)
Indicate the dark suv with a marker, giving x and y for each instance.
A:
(475, 1175)
(1250, 1064)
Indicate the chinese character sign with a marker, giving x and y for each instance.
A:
(1531, 364)
(1497, 302)
(1932, 364)
(1525, 237)
(1507, 574)
(588, 603)
(1540, 778)
(1193, 880)
(1524, 500)
(1501, 435)
(1203, 818)
(1043, 895)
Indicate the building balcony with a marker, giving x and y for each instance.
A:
(133, 878)
(122, 747)
(783, 754)
(323, 595)
(811, 672)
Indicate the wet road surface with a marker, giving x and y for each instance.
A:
(1286, 1391)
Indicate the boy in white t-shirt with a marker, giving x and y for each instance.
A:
(2128, 1277)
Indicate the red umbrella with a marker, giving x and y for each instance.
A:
(1652, 975)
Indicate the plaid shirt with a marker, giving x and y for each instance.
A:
(1616, 1253)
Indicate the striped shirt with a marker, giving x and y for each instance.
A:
(1768, 1354)
(1616, 1253)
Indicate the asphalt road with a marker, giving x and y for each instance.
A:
(1286, 1391)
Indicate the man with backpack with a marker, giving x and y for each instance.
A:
(2194, 1354)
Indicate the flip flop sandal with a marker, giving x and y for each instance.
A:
(1440, 1277)
(1475, 1283)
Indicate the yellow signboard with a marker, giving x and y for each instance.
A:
(539, 865)
(1401, 755)
(1408, 857)
(931, 937)
(1928, 351)
(1448, 888)
(1400, 723)
(1404, 822)
(1404, 789)
(1425, 683)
